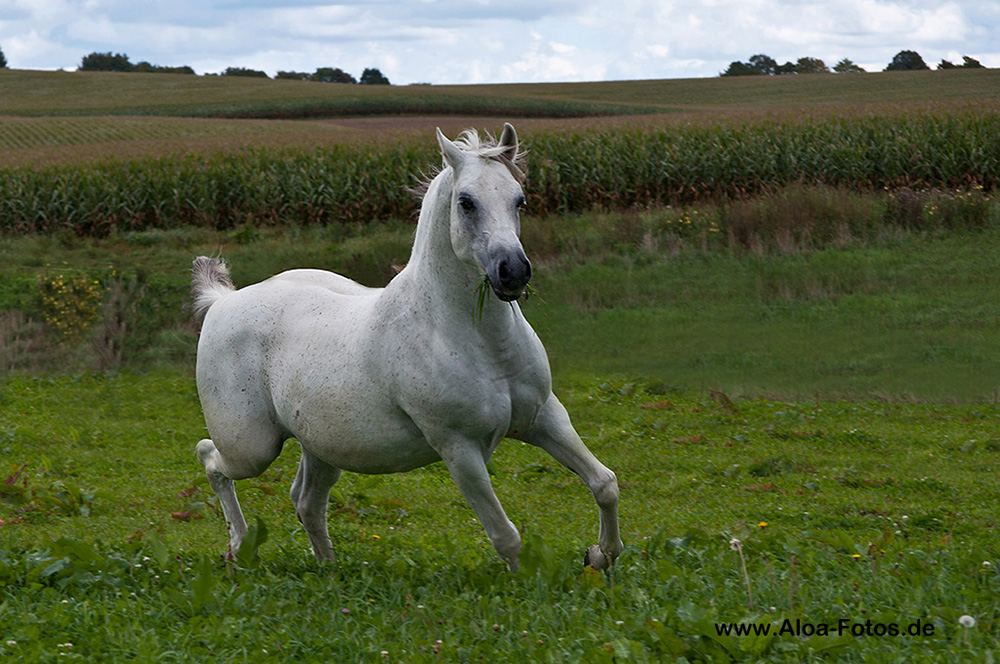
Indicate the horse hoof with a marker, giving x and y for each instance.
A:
(595, 558)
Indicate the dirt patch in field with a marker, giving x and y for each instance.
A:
(449, 124)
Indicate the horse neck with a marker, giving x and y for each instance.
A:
(447, 281)
(432, 241)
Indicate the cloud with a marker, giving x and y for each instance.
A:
(553, 61)
(470, 41)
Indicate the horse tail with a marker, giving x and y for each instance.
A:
(210, 282)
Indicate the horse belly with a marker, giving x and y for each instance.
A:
(362, 439)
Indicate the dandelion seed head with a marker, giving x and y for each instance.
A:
(967, 621)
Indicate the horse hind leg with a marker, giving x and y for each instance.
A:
(311, 495)
(236, 462)
(224, 487)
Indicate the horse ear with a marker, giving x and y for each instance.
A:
(508, 140)
(452, 153)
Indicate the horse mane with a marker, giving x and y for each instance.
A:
(488, 148)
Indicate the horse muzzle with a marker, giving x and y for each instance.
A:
(509, 273)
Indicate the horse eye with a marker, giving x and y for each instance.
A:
(467, 204)
(520, 204)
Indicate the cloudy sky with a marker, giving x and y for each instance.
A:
(495, 41)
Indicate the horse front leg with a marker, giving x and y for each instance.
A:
(553, 432)
(467, 466)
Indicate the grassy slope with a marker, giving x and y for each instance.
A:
(909, 316)
(106, 93)
(35, 129)
(97, 93)
(776, 91)
(914, 317)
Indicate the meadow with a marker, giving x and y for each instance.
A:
(768, 304)
(845, 510)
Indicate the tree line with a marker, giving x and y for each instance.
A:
(758, 65)
(121, 63)
(765, 65)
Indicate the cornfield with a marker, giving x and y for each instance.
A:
(569, 171)
(339, 184)
(612, 170)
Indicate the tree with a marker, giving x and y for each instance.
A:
(144, 67)
(759, 65)
(765, 64)
(845, 66)
(811, 66)
(243, 71)
(967, 63)
(120, 62)
(105, 62)
(907, 61)
(294, 75)
(737, 68)
(372, 76)
(785, 69)
(338, 75)
(3, 60)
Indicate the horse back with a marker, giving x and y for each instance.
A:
(331, 281)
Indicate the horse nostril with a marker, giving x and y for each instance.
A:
(511, 273)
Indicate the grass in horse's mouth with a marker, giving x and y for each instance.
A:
(483, 289)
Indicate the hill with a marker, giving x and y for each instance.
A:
(34, 93)
(49, 118)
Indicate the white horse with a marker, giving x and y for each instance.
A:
(388, 380)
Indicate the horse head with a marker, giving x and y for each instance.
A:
(486, 200)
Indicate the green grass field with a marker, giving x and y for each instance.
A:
(846, 511)
(109, 93)
(908, 316)
(811, 371)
